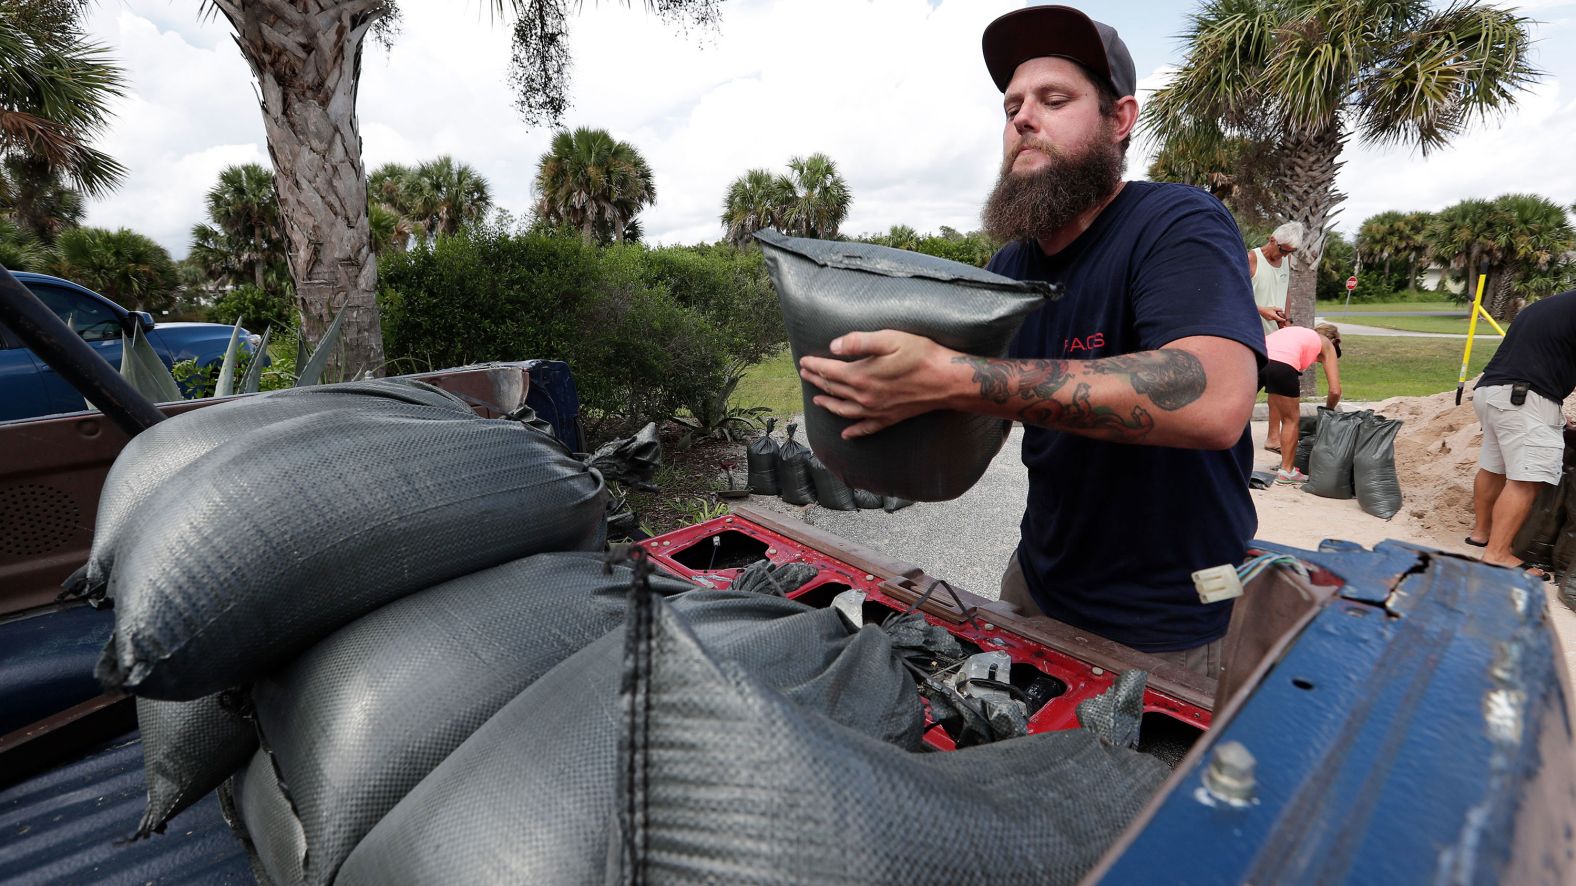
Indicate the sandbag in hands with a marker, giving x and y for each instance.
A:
(829, 289)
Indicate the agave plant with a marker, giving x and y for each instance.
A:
(714, 417)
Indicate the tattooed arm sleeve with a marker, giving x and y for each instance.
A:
(1154, 397)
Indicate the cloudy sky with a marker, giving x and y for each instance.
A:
(893, 90)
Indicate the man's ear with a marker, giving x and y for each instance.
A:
(1126, 115)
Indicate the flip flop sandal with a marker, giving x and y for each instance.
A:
(1474, 543)
(1534, 571)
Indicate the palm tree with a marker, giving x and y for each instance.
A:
(55, 90)
(35, 196)
(389, 210)
(442, 196)
(1309, 75)
(20, 250)
(820, 197)
(244, 207)
(593, 183)
(306, 58)
(123, 265)
(1518, 241)
(754, 201)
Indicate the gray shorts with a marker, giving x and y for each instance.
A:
(1525, 442)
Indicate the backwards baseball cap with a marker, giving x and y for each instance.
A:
(1039, 31)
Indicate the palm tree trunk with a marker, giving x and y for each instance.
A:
(1310, 197)
(1499, 294)
(306, 56)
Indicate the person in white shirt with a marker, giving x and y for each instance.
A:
(1270, 271)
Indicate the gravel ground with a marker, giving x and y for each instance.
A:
(966, 541)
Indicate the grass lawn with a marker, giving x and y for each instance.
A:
(1373, 368)
(1456, 325)
(1377, 367)
(773, 384)
(1339, 307)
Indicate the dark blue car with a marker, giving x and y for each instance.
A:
(30, 388)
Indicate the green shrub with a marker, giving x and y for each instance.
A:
(258, 308)
(639, 351)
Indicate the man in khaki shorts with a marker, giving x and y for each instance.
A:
(1518, 401)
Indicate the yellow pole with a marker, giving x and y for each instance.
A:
(1490, 320)
(1466, 356)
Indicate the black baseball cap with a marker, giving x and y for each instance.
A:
(1037, 31)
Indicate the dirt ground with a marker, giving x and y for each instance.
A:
(1436, 510)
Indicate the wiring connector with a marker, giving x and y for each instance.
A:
(1217, 583)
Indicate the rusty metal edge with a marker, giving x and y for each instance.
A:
(907, 582)
(64, 735)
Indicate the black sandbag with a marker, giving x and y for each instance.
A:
(830, 491)
(1565, 544)
(793, 470)
(528, 798)
(1330, 464)
(828, 289)
(429, 669)
(1307, 432)
(1535, 541)
(892, 503)
(761, 456)
(723, 779)
(160, 452)
(188, 749)
(273, 838)
(866, 500)
(1373, 467)
(271, 541)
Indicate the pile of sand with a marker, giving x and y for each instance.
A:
(1436, 455)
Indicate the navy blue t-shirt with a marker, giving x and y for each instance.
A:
(1113, 532)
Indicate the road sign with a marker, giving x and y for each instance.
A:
(1351, 283)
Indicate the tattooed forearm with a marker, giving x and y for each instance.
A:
(1171, 379)
(1001, 380)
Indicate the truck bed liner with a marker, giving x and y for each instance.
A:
(70, 824)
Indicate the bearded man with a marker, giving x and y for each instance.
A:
(1134, 388)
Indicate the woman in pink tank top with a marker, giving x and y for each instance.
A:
(1291, 351)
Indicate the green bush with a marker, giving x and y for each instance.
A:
(638, 348)
(258, 308)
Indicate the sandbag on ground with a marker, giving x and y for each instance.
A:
(529, 797)
(828, 289)
(188, 749)
(160, 452)
(1330, 464)
(761, 455)
(1307, 432)
(723, 779)
(1373, 467)
(793, 470)
(360, 718)
(273, 540)
(866, 500)
(830, 491)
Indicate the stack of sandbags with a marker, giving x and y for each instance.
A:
(353, 724)
(722, 777)
(530, 797)
(230, 549)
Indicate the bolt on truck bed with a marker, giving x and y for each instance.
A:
(1403, 712)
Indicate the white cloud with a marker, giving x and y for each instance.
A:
(893, 90)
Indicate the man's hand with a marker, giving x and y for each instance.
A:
(1276, 316)
(894, 376)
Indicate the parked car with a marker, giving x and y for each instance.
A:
(30, 388)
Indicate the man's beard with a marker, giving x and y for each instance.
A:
(1034, 205)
